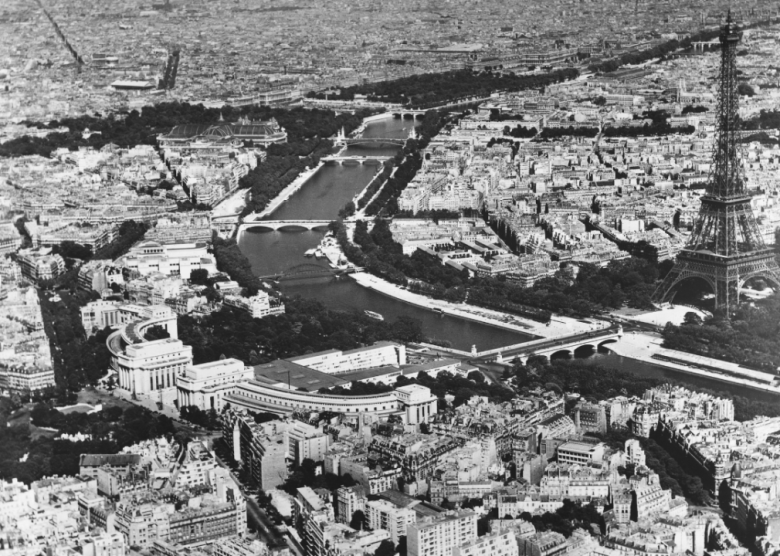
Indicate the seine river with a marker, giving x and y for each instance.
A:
(321, 198)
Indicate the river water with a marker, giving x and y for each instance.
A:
(326, 192)
(272, 252)
(321, 198)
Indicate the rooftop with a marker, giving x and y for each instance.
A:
(299, 377)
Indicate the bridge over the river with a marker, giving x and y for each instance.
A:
(279, 224)
(359, 159)
(549, 348)
(366, 140)
(307, 270)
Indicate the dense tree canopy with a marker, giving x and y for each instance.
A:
(232, 261)
(629, 281)
(431, 89)
(307, 326)
(306, 474)
(304, 128)
(111, 430)
(751, 337)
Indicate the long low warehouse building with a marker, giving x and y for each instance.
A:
(414, 403)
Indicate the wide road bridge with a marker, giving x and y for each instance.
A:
(366, 140)
(558, 346)
(308, 270)
(358, 159)
(279, 224)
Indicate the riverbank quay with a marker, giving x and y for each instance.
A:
(232, 205)
(285, 193)
(559, 326)
(648, 348)
(361, 194)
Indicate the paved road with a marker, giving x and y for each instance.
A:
(258, 520)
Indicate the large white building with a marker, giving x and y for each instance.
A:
(440, 535)
(305, 441)
(420, 404)
(96, 315)
(206, 385)
(259, 306)
(171, 259)
(583, 453)
(411, 406)
(146, 367)
(334, 361)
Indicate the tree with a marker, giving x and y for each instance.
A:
(401, 548)
(347, 210)
(156, 332)
(71, 250)
(385, 548)
(724, 497)
(199, 276)
(746, 90)
(692, 319)
(358, 521)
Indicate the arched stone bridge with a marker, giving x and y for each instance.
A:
(549, 348)
(366, 140)
(358, 159)
(279, 224)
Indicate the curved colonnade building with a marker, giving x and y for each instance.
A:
(414, 403)
(162, 370)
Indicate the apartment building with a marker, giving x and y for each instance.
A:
(590, 417)
(23, 378)
(580, 452)
(238, 546)
(259, 449)
(99, 275)
(384, 515)
(258, 306)
(313, 515)
(348, 501)
(650, 499)
(305, 441)
(498, 544)
(440, 535)
(104, 544)
(89, 464)
(16, 498)
(40, 264)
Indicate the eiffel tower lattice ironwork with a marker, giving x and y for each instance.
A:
(726, 248)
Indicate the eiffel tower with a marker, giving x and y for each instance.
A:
(725, 248)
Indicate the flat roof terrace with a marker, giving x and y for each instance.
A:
(297, 376)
